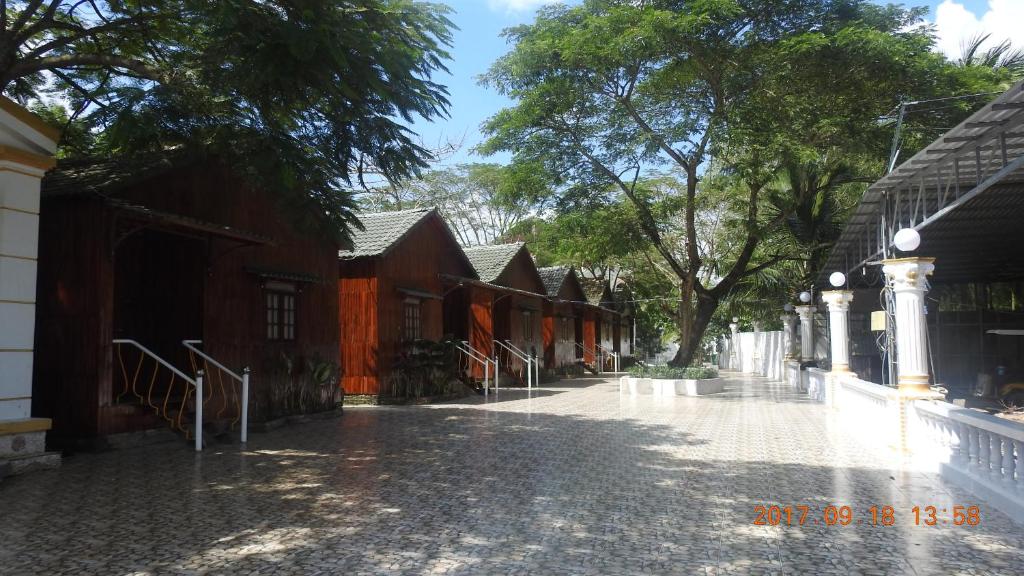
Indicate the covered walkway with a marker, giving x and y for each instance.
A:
(572, 479)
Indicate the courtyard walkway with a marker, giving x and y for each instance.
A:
(574, 479)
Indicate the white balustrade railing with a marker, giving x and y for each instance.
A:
(987, 451)
(868, 410)
(817, 384)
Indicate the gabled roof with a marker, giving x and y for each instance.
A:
(597, 291)
(102, 176)
(554, 277)
(623, 297)
(490, 261)
(382, 230)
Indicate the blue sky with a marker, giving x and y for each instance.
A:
(478, 43)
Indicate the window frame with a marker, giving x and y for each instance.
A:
(281, 321)
(412, 319)
(527, 325)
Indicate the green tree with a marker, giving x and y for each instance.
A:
(302, 94)
(607, 90)
(480, 202)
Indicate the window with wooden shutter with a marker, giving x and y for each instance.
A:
(411, 330)
(279, 305)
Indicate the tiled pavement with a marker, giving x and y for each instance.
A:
(573, 480)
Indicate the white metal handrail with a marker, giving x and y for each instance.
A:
(609, 354)
(243, 380)
(596, 353)
(520, 355)
(197, 383)
(534, 361)
(479, 357)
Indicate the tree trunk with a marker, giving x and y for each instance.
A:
(699, 318)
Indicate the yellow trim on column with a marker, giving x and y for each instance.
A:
(37, 123)
(29, 212)
(25, 425)
(29, 258)
(29, 159)
(22, 172)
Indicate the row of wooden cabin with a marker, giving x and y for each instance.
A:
(183, 249)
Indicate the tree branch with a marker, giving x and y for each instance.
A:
(86, 33)
(75, 60)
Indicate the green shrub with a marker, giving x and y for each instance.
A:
(672, 373)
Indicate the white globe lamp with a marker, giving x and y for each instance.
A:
(805, 297)
(735, 320)
(837, 279)
(906, 240)
(788, 307)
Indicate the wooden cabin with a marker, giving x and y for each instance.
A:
(600, 319)
(395, 286)
(165, 250)
(563, 317)
(508, 276)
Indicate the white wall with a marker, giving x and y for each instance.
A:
(754, 353)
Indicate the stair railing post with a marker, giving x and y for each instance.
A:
(487, 377)
(199, 411)
(496, 370)
(529, 374)
(245, 405)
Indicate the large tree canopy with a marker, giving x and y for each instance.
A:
(610, 89)
(305, 94)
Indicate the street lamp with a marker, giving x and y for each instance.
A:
(788, 307)
(906, 240)
(805, 296)
(837, 279)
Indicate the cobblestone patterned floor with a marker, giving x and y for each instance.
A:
(575, 479)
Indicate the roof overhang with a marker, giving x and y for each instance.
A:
(186, 225)
(964, 193)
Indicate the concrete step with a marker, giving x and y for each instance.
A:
(11, 465)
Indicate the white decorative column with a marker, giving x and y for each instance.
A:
(734, 348)
(27, 146)
(806, 314)
(908, 278)
(789, 335)
(839, 327)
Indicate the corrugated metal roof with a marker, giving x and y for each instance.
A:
(955, 193)
(382, 230)
(490, 261)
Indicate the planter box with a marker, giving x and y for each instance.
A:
(659, 387)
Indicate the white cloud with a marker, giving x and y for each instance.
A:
(956, 25)
(517, 5)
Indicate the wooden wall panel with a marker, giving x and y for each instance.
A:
(589, 335)
(77, 295)
(481, 328)
(74, 306)
(415, 263)
(357, 320)
(551, 335)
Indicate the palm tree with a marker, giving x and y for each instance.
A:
(1001, 56)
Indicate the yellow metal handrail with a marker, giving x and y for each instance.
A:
(176, 376)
